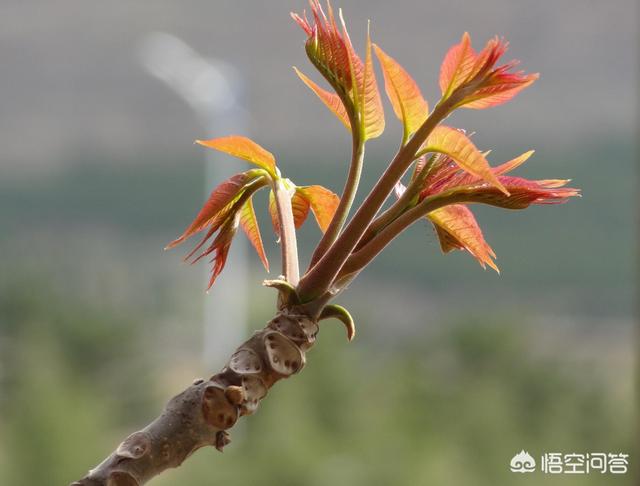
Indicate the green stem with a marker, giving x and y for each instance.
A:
(319, 279)
(346, 201)
(353, 179)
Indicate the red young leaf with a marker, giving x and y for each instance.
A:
(449, 177)
(331, 52)
(220, 197)
(458, 229)
(215, 225)
(490, 85)
(243, 148)
(455, 144)
(457, 65)
(499, 90)
(249, 225)
(220, 247)
(323, 203)
(522, 192)
(326, 46)
(447, 180)
(455, 225)
(331, 100)
(403, 92)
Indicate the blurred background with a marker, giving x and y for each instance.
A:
(454, 369)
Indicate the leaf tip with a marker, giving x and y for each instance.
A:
(493, 265)
(173, 244)
(351, 333)
(501, 187)
(342, 314)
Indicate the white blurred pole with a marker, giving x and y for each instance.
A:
(215, 92)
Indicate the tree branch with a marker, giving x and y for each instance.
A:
(201, 415)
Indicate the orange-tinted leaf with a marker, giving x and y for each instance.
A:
(457, 66)
(273, 212)
(403, 92)
(513, 163)
(370, 104)
(554, 183)
(463, 179)
(455, 144)
(331, 100)
(457, 229)
(491, 85)
(249, 225)
(499, 90)
(243, 148)
(320, 200)
(299, 207)
(223, 195)
(323, 203)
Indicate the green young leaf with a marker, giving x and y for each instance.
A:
(342, 314)
(286, 290)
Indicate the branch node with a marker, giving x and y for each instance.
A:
(222, 439)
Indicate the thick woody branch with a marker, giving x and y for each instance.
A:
(201, 415)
